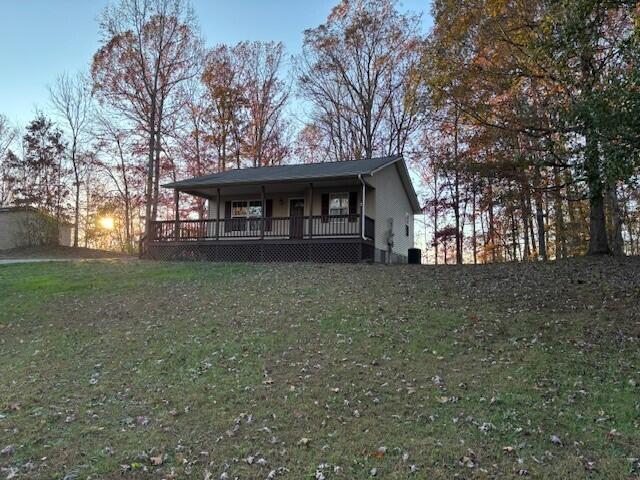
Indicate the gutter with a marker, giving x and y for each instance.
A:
(362, 209)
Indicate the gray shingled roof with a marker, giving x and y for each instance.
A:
(281, 173)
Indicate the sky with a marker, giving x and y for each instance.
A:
(41, 39)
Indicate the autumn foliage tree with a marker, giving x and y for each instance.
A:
(544, 86)
(39, 173)
(149, 48)
(8, 134)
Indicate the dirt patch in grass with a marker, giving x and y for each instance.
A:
(158, 370)
(59, 252)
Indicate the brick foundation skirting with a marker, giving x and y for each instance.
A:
(319, 251)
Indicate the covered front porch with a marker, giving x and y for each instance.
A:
(323, 221)
(293, 211)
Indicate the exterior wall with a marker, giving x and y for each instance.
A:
(22, 228)
(9, 229)
(279, 210)
(65, 235)
(391, 202)
(281, 201)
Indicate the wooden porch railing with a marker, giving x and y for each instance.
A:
(317, 226)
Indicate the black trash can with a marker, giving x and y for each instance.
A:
(415, 256)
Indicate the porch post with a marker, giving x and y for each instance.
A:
(177, 216)
(311, 210)
(262, 209)
(218, 214)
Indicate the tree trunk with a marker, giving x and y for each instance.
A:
(514, 237)
(150, 170)
(456, 212)
(531, 229)
(156, 176)
(526, 218)
(561, 237)
(456, 206)
(598, 243)
(491, 226)
(474, 235)
(617, 244)
(627, 220)
(542, 247)
(435, 216)
(76, 212)
(87, 211)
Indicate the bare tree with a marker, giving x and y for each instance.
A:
(354, 70)
(114, 143)
(265, 95)
(71, 97)
(226, 101)
(191, 137)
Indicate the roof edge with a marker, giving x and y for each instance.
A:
(177, 185)
(407, 183)
(388, 161)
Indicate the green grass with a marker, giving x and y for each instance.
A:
(161, 370)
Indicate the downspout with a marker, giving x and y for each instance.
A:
(362, 209)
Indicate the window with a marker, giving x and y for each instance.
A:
(246, 214)
(255, 208)
(406, 224)
(339, 204)
(238, 209)
(243, 208)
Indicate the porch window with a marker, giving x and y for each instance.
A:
(255, 208)
(246, 209)
(338, 204)
(238, 209)
(246, 215)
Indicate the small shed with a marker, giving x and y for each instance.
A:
(29, 227)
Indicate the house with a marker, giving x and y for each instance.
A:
(29, 227)
(352, 211)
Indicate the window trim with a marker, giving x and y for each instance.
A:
(249, 221)
(345, 215)
(247, 202)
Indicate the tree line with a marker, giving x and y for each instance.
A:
(519, 120)
(534, 135)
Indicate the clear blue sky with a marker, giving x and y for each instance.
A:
(40, 39)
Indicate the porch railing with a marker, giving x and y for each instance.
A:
(307, 227)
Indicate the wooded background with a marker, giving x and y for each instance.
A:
(520, 121)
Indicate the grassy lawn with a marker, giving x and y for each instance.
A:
(112, 369)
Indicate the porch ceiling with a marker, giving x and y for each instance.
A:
(272, 187)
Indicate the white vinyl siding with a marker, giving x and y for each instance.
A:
(391, 202)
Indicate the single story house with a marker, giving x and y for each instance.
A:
(29, 227)
(360, 210)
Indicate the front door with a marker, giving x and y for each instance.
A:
(296, 214)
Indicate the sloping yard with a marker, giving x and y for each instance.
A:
(128, 369)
